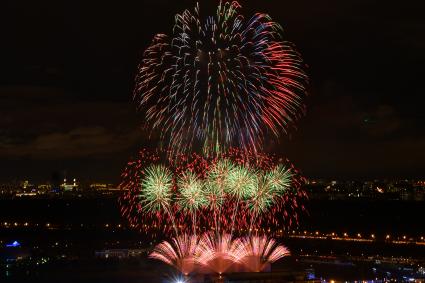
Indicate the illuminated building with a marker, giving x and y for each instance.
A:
(69, 186)
(103, 187)
(119, 253)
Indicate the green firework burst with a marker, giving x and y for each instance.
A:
(280, 179)
(241, 182)
(192, 195)
(156, 192)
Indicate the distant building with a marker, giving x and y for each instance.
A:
(119, 253)
(69, 186)
(103, 187)
(44, 188)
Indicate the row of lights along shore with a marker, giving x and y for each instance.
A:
(315, 234)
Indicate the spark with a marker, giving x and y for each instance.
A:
(221, 81)
(156, 188)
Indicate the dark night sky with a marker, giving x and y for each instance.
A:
(66, 76)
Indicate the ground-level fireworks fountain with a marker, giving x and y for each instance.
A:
(219, 254)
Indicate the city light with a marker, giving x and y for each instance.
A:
(412, 239)
(13, 245)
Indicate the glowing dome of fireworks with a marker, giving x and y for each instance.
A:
(219, 253)
(220, 80)
(179, 253)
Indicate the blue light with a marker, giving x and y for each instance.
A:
(13, 245)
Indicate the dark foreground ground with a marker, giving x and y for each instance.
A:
(59, 241)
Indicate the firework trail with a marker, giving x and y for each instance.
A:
(220, 81)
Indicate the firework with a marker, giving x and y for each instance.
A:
(223, 83)
(217, 252)
(156, 188)
(262, 196)
(269, 188)
(212, 253)
(220, 81)
(280, 178)
(232, 193)
(192, 196)
(179, 253)
(241, 182)
(257, 252)
(218, 176)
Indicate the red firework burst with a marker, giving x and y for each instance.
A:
(213, 203)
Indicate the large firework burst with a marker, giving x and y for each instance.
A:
(220, 81)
